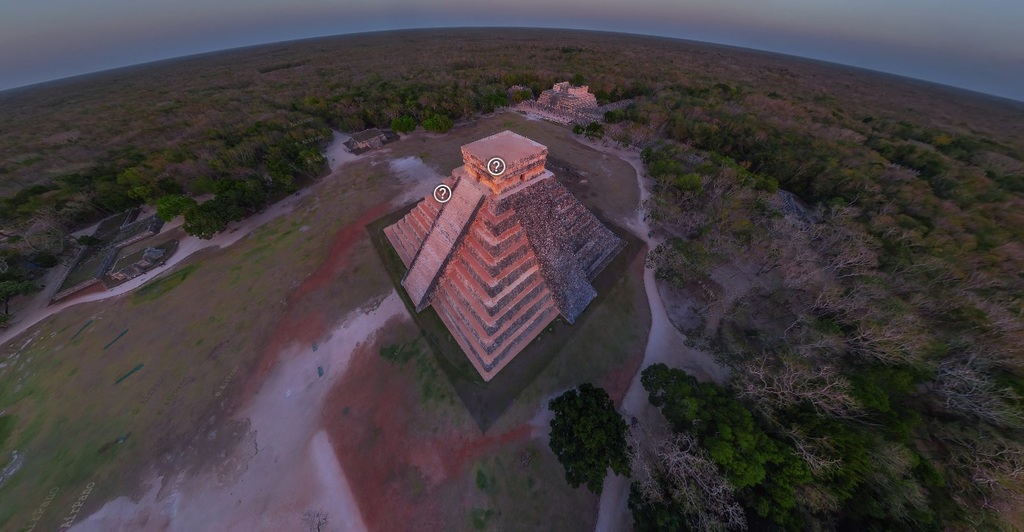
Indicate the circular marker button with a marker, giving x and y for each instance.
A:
(496, 166)
(442, 193)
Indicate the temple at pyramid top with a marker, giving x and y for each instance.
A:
(524, 160)
(509, 252)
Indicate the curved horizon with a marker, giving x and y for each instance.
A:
(976, 48)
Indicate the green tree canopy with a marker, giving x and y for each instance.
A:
(404, 124)
(206, 219)
(588, 436)
(170, 206)
(766, 469)
(522, 95)
(438, 123)
(10, 289)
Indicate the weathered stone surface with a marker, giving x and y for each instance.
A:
(565, 97)
(369, 139)
(524, 160)
(449, 226)
(539, 213)
(502, 263)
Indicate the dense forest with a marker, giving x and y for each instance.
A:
(871, 228)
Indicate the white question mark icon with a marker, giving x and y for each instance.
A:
(496, 166)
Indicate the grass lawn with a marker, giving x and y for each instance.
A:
(203, 330)
(189, 328)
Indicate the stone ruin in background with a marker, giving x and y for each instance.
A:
(569, 99)
(565, 104)
(369, 139)
(505, 255)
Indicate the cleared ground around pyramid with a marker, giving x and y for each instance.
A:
(287, 284)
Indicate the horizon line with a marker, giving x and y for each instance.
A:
(38, 84)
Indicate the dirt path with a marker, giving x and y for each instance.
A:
(285, 470)
(664, 344)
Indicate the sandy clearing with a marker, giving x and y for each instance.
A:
(418, 178)
(336, 154)
(285, 468)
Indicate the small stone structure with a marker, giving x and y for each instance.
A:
(568, 99)
(132, 232)
(91, 264)
(505, 255)
(565, 104)
(150, 257)
(369, 139)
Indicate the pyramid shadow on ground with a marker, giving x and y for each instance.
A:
(487, 401)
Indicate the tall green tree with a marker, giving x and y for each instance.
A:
(588, 436)
(11, 288)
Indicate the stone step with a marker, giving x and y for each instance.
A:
(466, 318)
(490, 309)
(495, 263)
(474, 352)
(529, 279)
(502, 357)
(496, 224)
(493, 284)
(489, 340)
(420, 220)
(397, 239)
(415, 227)
(591, 255)
(448, 229)
(461, 329)
(514, 322)
(411, 240)
(496, 242)
(431, 207)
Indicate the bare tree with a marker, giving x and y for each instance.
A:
(774, 388)
(45, 232)
(892, 480)
(991, 472)
(818, 452)
(817, 497)
(898, 338)
(965, 387)
(675, 470)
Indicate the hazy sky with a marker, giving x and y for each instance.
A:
(975, 44)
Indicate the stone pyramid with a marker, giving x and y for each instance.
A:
(505, 255)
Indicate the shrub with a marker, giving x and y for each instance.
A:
(438, 123)
(403, 124)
